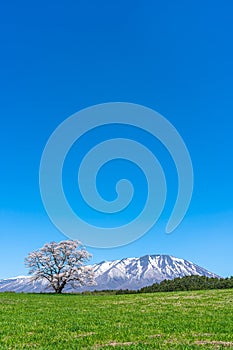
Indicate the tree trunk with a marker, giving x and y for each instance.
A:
(59, 289)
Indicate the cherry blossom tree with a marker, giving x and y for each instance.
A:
(61, 264)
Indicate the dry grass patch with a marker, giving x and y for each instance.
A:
(113, 344)
(84, 334)
(214, 342)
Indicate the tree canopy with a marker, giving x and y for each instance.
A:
(61, 264)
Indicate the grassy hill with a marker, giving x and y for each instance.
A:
(173, 320)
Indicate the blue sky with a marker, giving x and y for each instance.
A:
(172, 56)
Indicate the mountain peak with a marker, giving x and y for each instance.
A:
(131, 273)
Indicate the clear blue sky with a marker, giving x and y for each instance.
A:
(173, 56)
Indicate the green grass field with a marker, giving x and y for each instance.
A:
(177, 320)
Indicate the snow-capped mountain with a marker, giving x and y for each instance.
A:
(131, 273)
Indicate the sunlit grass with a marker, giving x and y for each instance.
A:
(178, 320)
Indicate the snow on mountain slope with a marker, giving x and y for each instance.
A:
(131, 273)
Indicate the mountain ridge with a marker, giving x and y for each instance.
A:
(127, 273)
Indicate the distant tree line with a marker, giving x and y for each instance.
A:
(189, 283)
(178, 284)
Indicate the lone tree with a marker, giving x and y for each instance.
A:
(61, 264)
